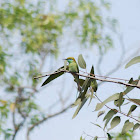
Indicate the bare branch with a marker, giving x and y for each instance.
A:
(105, 76)
(45, 119)
(104, 80)
(93, 77)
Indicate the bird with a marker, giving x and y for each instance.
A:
(73, 68)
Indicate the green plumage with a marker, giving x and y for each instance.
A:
(73, 67)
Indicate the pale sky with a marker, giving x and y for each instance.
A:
(64, 127)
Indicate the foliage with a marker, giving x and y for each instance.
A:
(133, 61)
(29, 34)
(126, 136)
(118, 99)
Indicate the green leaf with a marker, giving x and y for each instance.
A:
(128, 89)
(81, 62)
(97, 125)
(91, 97)
(86, 84)
(53, 76)
(132, 108)
(80, 106)
(136, 101)
(136, 126)
(81, 138)
(116, 102)
(100, 113)
(109, 136)
(84, 88)
(127, 126)
(93, 83)
(109, 115)
(99, 106)
(109, 99)
(77, 102)
(81, 82)
(115, 121)
(133, 61)
(121, 99)
(83, 96)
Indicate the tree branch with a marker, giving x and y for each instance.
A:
(117, 110)
(45, 119)
(104, 80)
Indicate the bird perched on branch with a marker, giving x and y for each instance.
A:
(73, 67)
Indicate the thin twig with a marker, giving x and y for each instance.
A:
(104, 76)
(41, 76)
(104, 80)
(92, 77)
(117, 110)
(92, 136)
(45, 119)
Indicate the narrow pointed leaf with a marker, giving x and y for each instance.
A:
(128, 89)
(136, 126)
(81, 81)
(86, 84)
(100, 113)
(80, 106)
(121, 100)
(109, 115)
(116, 102)
(91, 97)
(97, 125)
(81, 62)
(77, 102)
(53, 76)
(109, 136)
(133, 61)
(93, 84)
(82, 96)
(132, 108)
(115, 121)
(84, 88)
(127, 126)
(99, 106)
(109, 99)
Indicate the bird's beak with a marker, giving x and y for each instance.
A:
(64, 59)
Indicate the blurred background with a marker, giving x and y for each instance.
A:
(35, 37)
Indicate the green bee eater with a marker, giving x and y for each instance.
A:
(73, 67)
